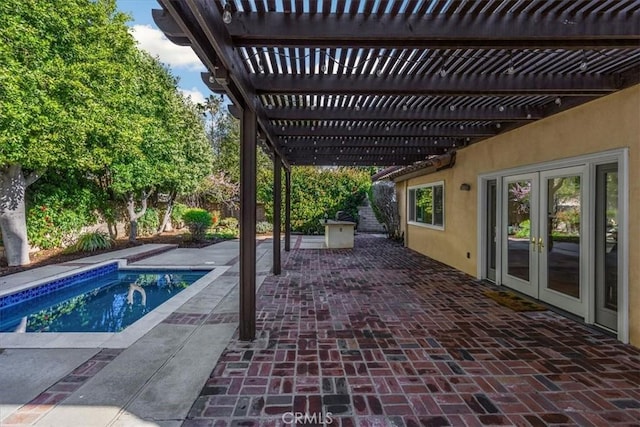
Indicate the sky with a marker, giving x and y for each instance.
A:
(182, 61)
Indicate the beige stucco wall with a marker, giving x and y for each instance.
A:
(607, 123)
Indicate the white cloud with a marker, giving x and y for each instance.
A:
(193, 93)
(155, 42)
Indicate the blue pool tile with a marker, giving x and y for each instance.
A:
(54, 285)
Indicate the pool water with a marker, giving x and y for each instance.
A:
(108, 303)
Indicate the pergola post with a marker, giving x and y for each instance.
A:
(287, 209)
(277, 205)
(248, 226)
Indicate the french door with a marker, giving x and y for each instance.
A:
(543, 228)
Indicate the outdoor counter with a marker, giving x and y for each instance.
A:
(338, 234)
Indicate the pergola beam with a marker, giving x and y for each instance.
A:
(435, 31)
(296, 144)
(371, 130)
(410, 114)
(473, 85)
(363, 160)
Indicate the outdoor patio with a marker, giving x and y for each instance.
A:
(376, 336)
(382, 336)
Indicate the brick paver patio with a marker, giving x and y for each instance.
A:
(382, 336)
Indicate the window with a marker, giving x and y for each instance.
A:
(426, 205)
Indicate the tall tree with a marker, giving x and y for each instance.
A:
(189, 156)
(60, 62)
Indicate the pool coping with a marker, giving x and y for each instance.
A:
(122, 339)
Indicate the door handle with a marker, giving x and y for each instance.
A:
(533, 242)
(540, 244)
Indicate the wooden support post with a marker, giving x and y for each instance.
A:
(248, 226)
(277, 205)
(287, 209)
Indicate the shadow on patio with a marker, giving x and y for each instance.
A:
(382, 336)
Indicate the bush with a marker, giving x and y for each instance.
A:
(58, 206)
(149, 222)
(198, 221)
(264, 227)
(229, 222)
(382, 196)
(224, 233)
(176, 214)
(525, 229)
(89, 242)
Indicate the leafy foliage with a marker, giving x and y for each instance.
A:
(263, 227)
(317, 191)
(230, 223)
(176, 214)
(382, 196)
(58, 206)
(149, 222)
(198, 221)
(524, 229)
(224, 233)
(89, 242)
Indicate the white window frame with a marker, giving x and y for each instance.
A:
(412, 214)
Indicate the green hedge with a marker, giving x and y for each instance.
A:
(319, 191)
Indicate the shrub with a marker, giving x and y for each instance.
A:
(176, 214)
(89, 242)
(382, 196)
(229, 222)
(198, 221)
(525, 229)
(149, 222)
(264, 227)
(58, 206)
(224, 233)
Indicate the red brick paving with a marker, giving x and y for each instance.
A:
(382, 336)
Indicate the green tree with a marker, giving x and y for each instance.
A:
(190, 159)
(166, 150)
(224, 134)
(62, 66)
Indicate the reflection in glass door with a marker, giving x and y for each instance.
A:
(519, 261)
(560, 238)
(607, 246)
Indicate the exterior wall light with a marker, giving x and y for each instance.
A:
(465, 187)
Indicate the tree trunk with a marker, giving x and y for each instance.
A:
(133, 230)
(13, 222)
(166, 221)
(112, 227)
(133, 215)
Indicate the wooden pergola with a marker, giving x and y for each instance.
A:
(393, 82)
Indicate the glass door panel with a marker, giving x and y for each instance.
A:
(519, 218)
(560, 238)
(607, 246)
(491, 229)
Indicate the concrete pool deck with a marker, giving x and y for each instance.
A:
(150, 380)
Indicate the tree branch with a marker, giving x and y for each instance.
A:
(33, 177)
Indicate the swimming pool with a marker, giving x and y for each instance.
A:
(102, 300)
